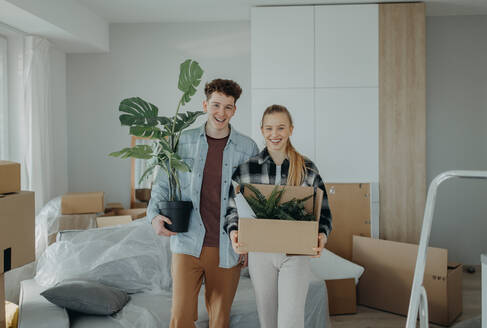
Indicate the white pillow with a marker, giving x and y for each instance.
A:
(330, 266)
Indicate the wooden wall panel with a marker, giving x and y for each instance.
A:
(402, 120)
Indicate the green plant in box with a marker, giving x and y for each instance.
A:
(270, 208)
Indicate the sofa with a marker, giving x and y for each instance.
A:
(133, 258)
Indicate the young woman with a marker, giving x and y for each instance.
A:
(280, 281)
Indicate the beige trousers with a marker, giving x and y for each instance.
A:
(221, 284)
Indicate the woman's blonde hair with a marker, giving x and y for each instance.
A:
(297, 169)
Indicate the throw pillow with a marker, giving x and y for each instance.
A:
(88, 297)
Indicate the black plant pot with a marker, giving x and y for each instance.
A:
(178, 212)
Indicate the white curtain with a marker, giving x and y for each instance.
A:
(36, 118)
(4, 151)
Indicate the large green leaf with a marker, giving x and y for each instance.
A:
(139, 151)
(138, 112)
(190, 74)
(146, 131)
(184, 120)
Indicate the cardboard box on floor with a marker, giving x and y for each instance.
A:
(9, 177)
(342, 296)
(72, 222)
(350, 209)
(282, 236)
(113, 206)
(17, 226)
(388, 277)
(82, 203)
(135, 213)
(109, 221)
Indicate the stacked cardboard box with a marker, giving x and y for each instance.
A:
(388, 277)
(82, 203)
(9, 177)
(17, 221)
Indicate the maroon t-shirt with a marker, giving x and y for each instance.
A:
(210, 201)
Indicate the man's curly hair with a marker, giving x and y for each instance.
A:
(227, 87)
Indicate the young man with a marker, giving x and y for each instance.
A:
(213, 151)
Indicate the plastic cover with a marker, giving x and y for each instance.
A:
(45, 219)
(130, 257)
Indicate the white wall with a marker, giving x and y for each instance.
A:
(457, 131)
(143, 61)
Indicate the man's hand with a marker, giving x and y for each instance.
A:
(322, 239)
(235, 244)
(159, 228)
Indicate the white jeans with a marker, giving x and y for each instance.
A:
(281, 285)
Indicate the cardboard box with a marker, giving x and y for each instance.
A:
(113, 206)
(2, 301)
(17, 226)
(72, 222)
(82, 203)
(351, 215)
(143, 194)
(139, 205)
(282, 236)
(109, 221)
(388, 278)
(342, 296)
(135, 213)
(9, 177)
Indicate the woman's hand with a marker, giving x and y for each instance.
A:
(322, 239)
(235, 244)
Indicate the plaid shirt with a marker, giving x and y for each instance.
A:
(261, 169)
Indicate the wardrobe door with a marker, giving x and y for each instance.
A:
(299, 102)
(282, 43)
(347, 45)
(347, 134)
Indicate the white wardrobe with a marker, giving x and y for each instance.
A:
(322, 63)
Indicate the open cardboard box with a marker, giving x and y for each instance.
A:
(9, 177)
(282, 236)
(389, 272)
(17, 225)
(82, 203)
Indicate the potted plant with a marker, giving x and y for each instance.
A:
(143, 120)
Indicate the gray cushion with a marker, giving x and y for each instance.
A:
(87, 297)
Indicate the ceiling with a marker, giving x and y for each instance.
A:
(146, 11)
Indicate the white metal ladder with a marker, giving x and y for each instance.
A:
(419, 300)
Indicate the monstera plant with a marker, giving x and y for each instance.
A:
(143, 120)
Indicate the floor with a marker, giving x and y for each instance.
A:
(370, 318)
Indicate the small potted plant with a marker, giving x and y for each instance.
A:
(143, 120)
